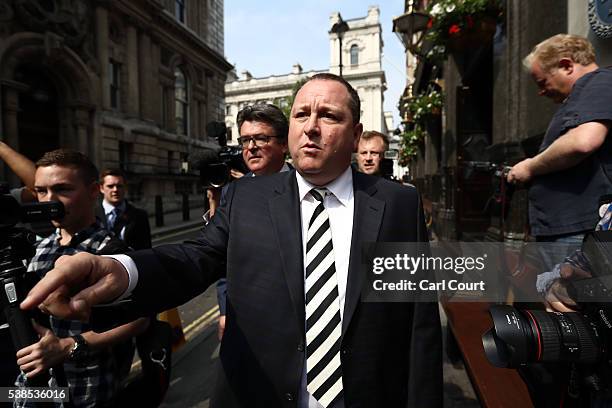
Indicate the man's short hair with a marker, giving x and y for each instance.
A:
(70, 158)
(354, 102)
(549, 52)
(112, 172)
(371, 134)
(266, 113)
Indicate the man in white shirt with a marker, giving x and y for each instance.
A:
(298, 333)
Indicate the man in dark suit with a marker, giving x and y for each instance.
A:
(297, 332)
(263, 132)
(129, 223)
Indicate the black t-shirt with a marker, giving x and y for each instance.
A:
(566, 202)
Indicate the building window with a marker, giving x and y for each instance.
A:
(181, 102)
(179, 10)
(228, 131)
(228, 110)
(125, 150)
(114, 73)
(354, 54)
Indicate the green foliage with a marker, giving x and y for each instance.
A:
(288, 102)
(424, 104)
(409, 144)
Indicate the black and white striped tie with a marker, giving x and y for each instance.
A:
(323, 329)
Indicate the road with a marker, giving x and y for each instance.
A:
(193, 367)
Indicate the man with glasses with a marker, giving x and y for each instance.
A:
(263, 136)
(371, 152)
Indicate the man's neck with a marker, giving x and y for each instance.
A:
(68, 233)
(582, 70)
(120, 204)
(268, 171)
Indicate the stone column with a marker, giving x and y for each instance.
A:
(81, 125)
(102, 46)
(145, 77)
(133, 100)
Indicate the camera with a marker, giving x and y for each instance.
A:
(215, 166)
(524, 336)
(16, 245)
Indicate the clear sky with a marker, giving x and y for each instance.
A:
(268, 37)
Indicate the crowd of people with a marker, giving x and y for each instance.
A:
(283, 247)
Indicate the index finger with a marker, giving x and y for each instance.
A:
(52, 281)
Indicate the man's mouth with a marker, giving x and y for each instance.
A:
(311, 148)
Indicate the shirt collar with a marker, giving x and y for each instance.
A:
(341, 187)
(108, 207)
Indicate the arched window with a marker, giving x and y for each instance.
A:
(181, 102)
(354, 54)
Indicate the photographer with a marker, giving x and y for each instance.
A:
(92, 371)
(263, 136)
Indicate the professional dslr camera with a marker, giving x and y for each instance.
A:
(215, 166)
(520, 337)
(17, 244)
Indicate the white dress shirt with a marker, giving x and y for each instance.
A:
(108, 208)
(340, 205)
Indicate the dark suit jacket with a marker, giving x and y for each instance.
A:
(136, 222)
(391, 352)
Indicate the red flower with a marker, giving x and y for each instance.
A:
(430, 23)
(454, 29)
(470, 21)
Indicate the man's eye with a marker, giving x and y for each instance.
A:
(329, 115)
(300, 114)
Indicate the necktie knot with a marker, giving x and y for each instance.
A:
(112, 216)
(319, 193)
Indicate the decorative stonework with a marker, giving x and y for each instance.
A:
(69, 18)
(600, 18)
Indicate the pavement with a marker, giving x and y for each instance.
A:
(174, 224)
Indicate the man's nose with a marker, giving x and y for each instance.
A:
(251, 145)
(311, 127)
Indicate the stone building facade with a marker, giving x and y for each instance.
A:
(362, 66)
(130, 83)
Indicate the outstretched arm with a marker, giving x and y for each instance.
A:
(565, 152)
(23, 167)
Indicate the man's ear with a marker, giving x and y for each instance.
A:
(566, 64)
(357, 131)
(95, 189)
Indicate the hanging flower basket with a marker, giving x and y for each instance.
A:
(479, 34)
(462, 24)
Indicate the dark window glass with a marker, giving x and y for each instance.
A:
(181, 102)
(354, 54)
(114, 72)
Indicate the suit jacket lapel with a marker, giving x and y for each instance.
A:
(286, 221)
(367, 219)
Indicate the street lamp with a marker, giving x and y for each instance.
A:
(340, 28)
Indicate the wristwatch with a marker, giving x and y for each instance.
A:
(80, 348)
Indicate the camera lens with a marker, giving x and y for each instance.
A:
(526, 336)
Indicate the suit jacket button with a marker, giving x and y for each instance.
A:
(344, 351)
(300, 347)
(289, 396)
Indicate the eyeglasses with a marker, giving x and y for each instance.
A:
(258, 140)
